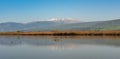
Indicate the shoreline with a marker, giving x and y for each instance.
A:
(67, 33)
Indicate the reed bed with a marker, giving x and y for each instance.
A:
(67, 33)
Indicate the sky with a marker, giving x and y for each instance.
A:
(40, 10)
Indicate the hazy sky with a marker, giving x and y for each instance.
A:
(36, 10)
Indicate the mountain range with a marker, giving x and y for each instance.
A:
(60, 24)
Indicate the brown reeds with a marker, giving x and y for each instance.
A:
(67, 33)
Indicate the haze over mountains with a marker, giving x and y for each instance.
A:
(60, 24)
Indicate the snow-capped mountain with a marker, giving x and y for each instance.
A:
(65, 20)
(39, 25)
(60, 24)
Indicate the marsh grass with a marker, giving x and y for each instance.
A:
(67, 33)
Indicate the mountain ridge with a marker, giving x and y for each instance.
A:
(51, 25)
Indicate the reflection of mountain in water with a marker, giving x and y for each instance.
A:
(57, 42)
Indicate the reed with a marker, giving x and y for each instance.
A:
(67, 33)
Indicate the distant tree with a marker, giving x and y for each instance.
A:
(18, 31)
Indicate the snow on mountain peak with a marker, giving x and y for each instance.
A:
(65, 20)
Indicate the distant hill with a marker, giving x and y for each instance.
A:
(60, 25)
(34, 26)
(98, 25)
(11, 26)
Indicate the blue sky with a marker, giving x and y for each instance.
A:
(37, 10)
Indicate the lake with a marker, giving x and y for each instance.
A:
(59, 47)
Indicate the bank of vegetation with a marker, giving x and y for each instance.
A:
(67, 33)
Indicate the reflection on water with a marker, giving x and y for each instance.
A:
(53, 47)
(56, 41)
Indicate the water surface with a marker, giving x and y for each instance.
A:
(38, 47)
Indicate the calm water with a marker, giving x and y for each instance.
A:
(35, 47)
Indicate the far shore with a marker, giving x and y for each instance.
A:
(68, 33)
